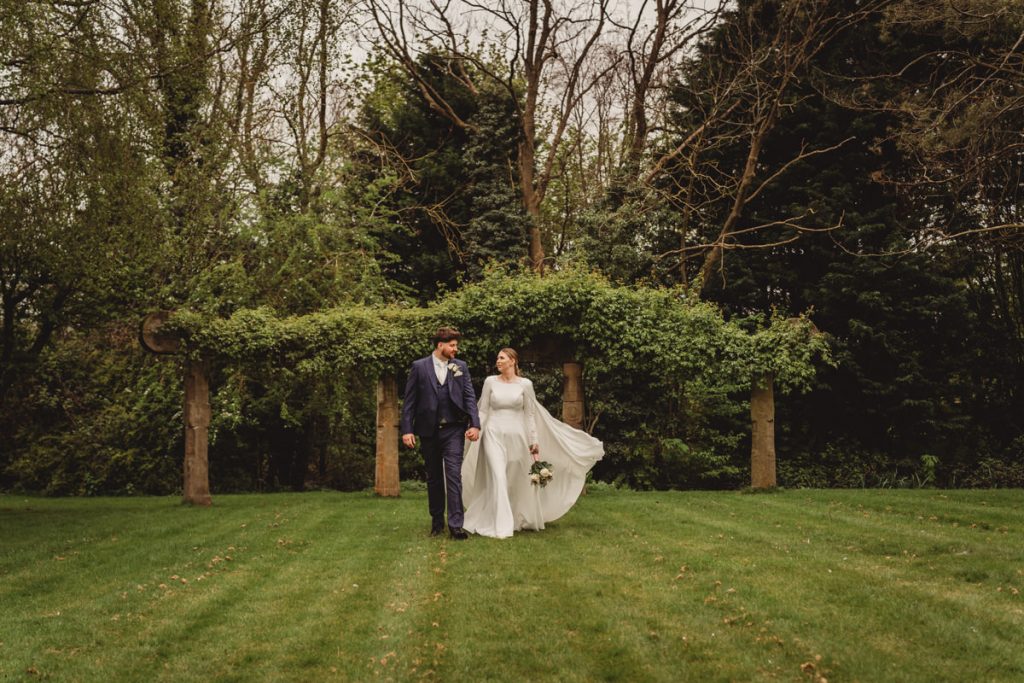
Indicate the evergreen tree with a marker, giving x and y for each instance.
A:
(456, 199)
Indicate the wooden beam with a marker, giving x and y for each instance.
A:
(153, 338)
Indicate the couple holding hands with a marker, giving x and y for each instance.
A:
(478, 454)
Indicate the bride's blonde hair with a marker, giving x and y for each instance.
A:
(511, 353)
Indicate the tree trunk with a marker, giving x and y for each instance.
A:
(531, 200)
(762, 438)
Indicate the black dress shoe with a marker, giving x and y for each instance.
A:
(436, 530)
(459, 534)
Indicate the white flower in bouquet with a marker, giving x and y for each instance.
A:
(540, 473)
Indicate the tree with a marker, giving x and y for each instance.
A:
(898, 311)
(454, 192)
(539, 55)
(79, 230)
(743, 83)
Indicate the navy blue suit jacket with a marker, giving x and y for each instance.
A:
(419, 407)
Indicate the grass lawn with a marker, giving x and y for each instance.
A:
(877, 585)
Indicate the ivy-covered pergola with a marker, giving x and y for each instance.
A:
(578, 319)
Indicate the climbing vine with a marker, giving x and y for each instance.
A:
(656, 332)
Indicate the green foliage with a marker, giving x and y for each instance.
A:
(95, 422)
(661, 333)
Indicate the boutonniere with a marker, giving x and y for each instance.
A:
(455, 370)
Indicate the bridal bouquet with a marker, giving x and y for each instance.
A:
(540, 473)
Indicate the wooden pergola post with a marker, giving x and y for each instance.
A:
(196, 487)
(762, 435)
(386, 475)
(195, 412)
(572, 394)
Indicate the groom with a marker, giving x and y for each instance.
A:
(439, 403)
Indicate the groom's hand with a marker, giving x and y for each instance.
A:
(409, 440)
(472, 433)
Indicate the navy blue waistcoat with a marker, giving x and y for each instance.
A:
(447, 411)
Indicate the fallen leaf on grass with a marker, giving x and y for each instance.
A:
(811, 669)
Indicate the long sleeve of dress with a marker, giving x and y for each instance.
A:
(530, 411)
(469, 402)
(483, 404)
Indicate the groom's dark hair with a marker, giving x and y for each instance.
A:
(446, 334)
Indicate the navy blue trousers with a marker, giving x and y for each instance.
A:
(442, 452)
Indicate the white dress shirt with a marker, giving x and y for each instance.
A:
(440, 368)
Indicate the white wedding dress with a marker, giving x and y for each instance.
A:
(497, 493)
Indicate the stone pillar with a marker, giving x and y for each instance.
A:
(572, 394)
(386, 476)
(762, 441)
(197, 425)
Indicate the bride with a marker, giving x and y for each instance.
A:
(516, 431)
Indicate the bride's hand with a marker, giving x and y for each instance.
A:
(535, 451)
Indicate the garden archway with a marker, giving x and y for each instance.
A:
(664, 334)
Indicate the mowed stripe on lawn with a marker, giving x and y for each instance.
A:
(666, 586)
